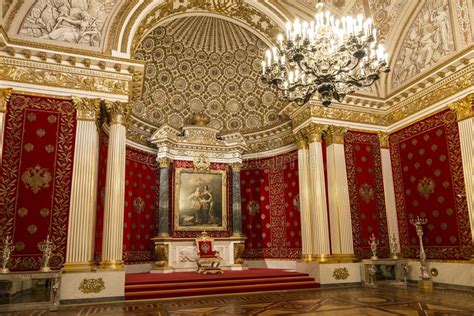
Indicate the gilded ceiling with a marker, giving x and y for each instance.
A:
(203, 64)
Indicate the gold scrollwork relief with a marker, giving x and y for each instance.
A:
(335, 135)
(4, 98)
(238, 251)
(87, 109)
(340, 273)
(88, 286)
(383, 139)
(463, 107)
(161, 255)
(118, 112)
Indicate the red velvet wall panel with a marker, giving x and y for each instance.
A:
(364, 176)
(429, 182)
(103, 147)
(36, 175)
(194, 234)
(270, 207)
(141, 205)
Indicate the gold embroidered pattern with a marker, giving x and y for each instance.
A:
(340, 273)
(36, 178)
(88, 286)
(40, 132)
(426, 187)
(366, 192)
(52, 119)
(49, 148)
(32, 229)
(28, 147)
(44, 212)
(138, 204)
(22, 212)
(31, 117)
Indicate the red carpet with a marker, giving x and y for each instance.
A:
(153, 285)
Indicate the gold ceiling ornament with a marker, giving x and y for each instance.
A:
(315, 132)
(5, 95)
(88, 286)
(383, 139)
(87, 109)
(463, 107)
(335, 135)
(200, 119)
(164, 162)
(239, 10)
(118, 112)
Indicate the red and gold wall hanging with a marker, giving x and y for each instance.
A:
(141, 205)
(270, 207)
(36, 175)
(429, 182)
(366, 194)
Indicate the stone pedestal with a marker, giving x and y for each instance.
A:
(331, 273)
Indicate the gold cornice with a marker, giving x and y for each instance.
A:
(87, 109)
(118, 112)
(463, 107)
(383, 139)
(164, 162)
(315, 132)
(5, 95)
(335, 135)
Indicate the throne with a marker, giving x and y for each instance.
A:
(207, 260)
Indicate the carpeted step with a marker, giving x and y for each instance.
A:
(220, 290)
(212, 283)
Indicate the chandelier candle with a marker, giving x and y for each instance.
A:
(330, 56)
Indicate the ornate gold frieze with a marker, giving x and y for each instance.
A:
(238, 251)
(161, 255)
(118, 112)
(88, 286)
(463, 107)
(201, 163)
(87, 109)
(340, 273)
(383, 139)
(5, 95)
(335, 135)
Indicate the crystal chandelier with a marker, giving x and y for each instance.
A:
(330, 56)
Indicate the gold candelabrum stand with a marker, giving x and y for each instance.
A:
(46, 247)
(425, 281)
(7, 248)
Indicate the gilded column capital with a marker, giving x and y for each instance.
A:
(118, 112)
(87, 109)
(315, 132)
(335, 135)
(5, 95)
(301, 142)
(463, 107)
(164, 162)
(383, 139)
(236, 166)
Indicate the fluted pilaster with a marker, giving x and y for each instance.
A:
(236, 201)
(81, 226)
(388, 188)
(465, 116)
(339, 202)
(4, 98)
(115, 187)
(164, 206)
(318, 209)
(303, 175)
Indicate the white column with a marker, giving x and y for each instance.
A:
(318, 207)
(339, 202)
(112, 243)
(303, 177)
(465, 116)
(388, 189)
(82, 210)
(4, 98)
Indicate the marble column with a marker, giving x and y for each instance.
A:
(164, 205)
(465, 116)
(318, 206)
(4, 98)
(236, 201)
(82, 210)
(112, 243)
(388, 188)
(303, 175)
(338, 194)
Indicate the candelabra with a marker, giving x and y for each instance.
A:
(373, 242)
(425, 277)
(46, 247)
(7, 248)
(393, 247)
(330, 56)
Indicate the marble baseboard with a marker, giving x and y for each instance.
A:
(138, 268)
(271, 264)
(449, 273)
(332, 273)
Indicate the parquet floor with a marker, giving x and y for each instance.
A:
(338, 301)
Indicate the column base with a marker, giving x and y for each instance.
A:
(321, 257)
(78, 266)
(112, 265)
(307, 258)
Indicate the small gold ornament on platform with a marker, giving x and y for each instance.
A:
(88, 286)
(393, 247)
(46, 247)
(7, 248)
(340, 273)
(373, 242)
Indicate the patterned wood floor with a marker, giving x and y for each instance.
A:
(340, 301)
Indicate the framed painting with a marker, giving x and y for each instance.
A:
(200, 200)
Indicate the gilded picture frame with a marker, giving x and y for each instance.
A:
(200, 200)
